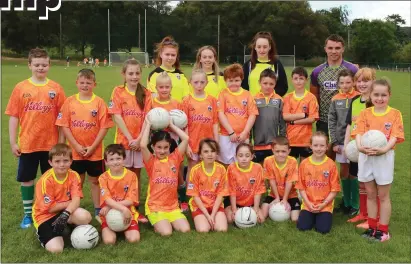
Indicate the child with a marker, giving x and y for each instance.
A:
(57, 203)
(119, 190)
(236, 113)
(282, 172)
(207, 186)
(85, 121)
(363, 81)
(202, 115)
(246, 184)
(168, 61)
(206, 60)
(376, 165)
(97, 61)
(33, 108)
(162, 171)
(128, 107)
(318, 183)
(105, 62)
(300, 112)
(269, 123)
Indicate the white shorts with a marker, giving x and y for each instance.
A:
(134, 159)
(227, 149)
(341, 158)
(378, 168)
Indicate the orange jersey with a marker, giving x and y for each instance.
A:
(299, 135)
(281, 175)
(390, 123)
(245, 183)
(36, 107)
(163, 183)
(119, 188)
(50, 191)
(318, 180)
(85, 119)
(202, 115)
(237, 107)
(124, 103)
(206, 185)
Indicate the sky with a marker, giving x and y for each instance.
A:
(365, 9)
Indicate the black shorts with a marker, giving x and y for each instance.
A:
(353, 168)
(322, 126)
(297, 152)
(93, 168)
(295, 203)
(321, 221)
(227, 202)
(260, 155)
(45, 231)
(28, 164)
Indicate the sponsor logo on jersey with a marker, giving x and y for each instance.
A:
(110, 104)
(47, 199)
(126, 188)
(52, 94)
(388, 125)
(94, 113)
(178, 76)
(330, 85)
(216, 183)
(38, 106)
(60, 116)
(244, 102)
(326, 174)
(252, 180)
(190, 186)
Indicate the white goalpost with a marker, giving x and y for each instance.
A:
(117, 58)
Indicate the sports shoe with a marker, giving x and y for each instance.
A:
(97, 217)
(363, 225)
(369, 233)
(381, 236)
(342, 208)
(184, 207)
(142, 219)
(26, 222)
(357, 218)
(353, 211)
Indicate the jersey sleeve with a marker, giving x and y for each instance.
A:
(232, 183)
(104, 191)
(398, 128)
(332, 123)
(246, 70)
(192, 186)
(215, 111)
(286, 108)
(269, 173)
(61, 98)
(75, 188)
(104, 118)
(221, 103)
(48, 195)
(185, 86)
(63, 118)
(223, 188)
(281, 87)
(313, 108)
(132, 195)
(151, 82)
(282, 126)
(348, 119)
(293, 173)
(334, 179)
(300, 185)
(360, 125)
(260, 182)
(114, 105)
(252, 107)
(13, 105)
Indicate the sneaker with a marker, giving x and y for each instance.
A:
(381, 236)
(142, 219)
(184, 207)
(97, 217)
(353, 211)
(26, 222)
(357, 218)
(369, 233)
(363, 225)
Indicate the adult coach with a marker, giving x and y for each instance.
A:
(263, 56)
(325, 76)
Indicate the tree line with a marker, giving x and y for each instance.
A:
(194, 24)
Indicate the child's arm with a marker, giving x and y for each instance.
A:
(100, 136)
(119, 121)
(305, 121)
(233, 201)
(381, 151)
(144, 140)
(307, 201)
(13, 125)
(215, 132)
(73, 142)
(62, 138)
(332, 125)
(60, 207)
(250, 122)
(182, 147)
(294, 117)
(288, 186)
(216, 205)
(257, 199)
(224, 122)
(330, 197)
(120, 207)
(273, 186)
(61, 222)
(347, 136)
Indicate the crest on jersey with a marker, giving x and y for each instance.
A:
(326, 174)
(304, 108)
(126, 188)
(68, 194)
(354, 126)
(110, 104)
(252, 180)
(286, 175)
(190, 186)
(52, 94)
(340, 103)
(47, 199)
(216, 183)
(388, 126)
(178, 76)
(102, 191)
(173, 169)
(244, 102)
(60, 116)
(210, 108)
(274, 101)
(215, 79)
(94, 113)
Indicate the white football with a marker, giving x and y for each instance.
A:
(245, 217)
(373, 139)
(115, 221)
(159, 118)
(84, 237)
(279, 213)
(179, 118)
(351, 151)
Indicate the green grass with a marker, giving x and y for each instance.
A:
(270, 242)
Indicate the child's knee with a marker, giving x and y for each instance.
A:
(203, 229)
(323, 229)
(134, 238)
(82, 216)
(165, 232)
(109, 240)
(185, 229)
(55, 247)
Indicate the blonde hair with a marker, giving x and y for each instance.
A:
(163, 77)
(198, 72)
(197, 64)
(60, 149)
(367, 74)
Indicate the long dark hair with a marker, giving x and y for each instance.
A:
(160, 135)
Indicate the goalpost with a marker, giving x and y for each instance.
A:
(117, 58)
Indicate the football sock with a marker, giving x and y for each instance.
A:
(27, 194)
(354, 193)
(363, 201)
(383, 228)
(372, 223)
(378, 206)
(346, 192)
(96, 211)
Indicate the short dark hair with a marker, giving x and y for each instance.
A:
(299, 70)
(115, 149)
(345, 73)
(38, 53)
(335, 38)
(319, 134)
(246, 145)
(280, 140)
(209, 142)
(87, 73)
(268, 73)
(60, 149)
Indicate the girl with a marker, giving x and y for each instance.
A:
(201, 111)
(206, 60)
(207, 186)
(263, 56)
(376, 165)
(168, 61)
(128, 106)
(363, 80)
(318, 183)
(246, 183)
(162, 169)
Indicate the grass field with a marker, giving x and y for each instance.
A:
(270, 242)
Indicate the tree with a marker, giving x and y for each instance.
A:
(398, 21)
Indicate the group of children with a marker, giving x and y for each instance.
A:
(233, 143)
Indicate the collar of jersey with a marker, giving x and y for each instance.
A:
(37, 84)
(128, 91)
(328, 65)
(163, 103)
(281, 167)
(318, 163)
(263, 61)
(199, 99)
(350, 92)
(117, 177)
(57, 180)
(299, 98)
(245, 170)
(241, 90)
(173, 70)
(204, 170)
(270, 96)
(380, 114)
(163, 160)
(85, 101)
(210, 73)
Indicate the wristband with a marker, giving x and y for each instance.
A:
(231, 133)
(292, 122)
(305, 115)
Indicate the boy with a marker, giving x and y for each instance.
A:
(337, 115)
(269, 123)
(85, 121)
(300, 112)
(58, 194)
(236, 113)
(33, 106)
(119, 190)
(282, 172)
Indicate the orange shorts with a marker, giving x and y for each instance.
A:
(133, 225)
(210, 209)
